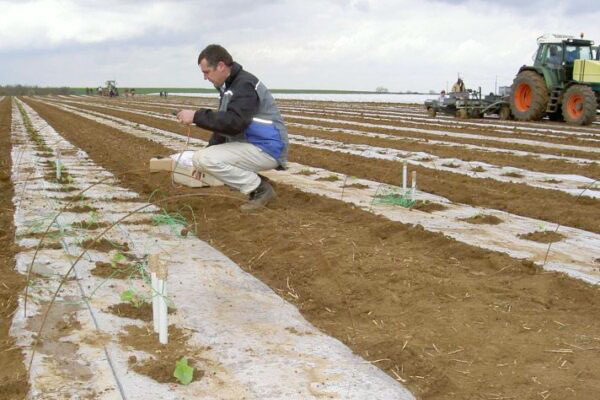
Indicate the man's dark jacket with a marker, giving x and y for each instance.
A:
(247, 113)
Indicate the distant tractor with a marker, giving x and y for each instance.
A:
(110, 89)
(563, 83)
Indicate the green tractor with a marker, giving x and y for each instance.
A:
(563, 83)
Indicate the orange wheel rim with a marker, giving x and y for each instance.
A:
(575, 106)
(523, 97)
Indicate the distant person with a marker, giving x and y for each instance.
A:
(442, 97)
(160, 93)
(249, 134)
(459, 86)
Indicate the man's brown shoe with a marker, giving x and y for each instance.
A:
(259, 197)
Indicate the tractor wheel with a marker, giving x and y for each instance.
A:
(579, 105)
(462, 114)
(504, 112)
(431, 112)
(529, 96)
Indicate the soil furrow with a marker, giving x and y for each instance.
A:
(479, 129)
(549, 205)
(482, 129)
(531, 163)
(528, 162)
(481, 141)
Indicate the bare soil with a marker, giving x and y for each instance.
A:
(451, 320)
(104, 245)
(142, 312)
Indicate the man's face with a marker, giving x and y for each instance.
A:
(217, 74)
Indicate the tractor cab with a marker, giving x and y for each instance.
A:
(556, 55)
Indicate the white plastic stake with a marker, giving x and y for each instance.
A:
(153, 262)
(155, 296)
(163, 329)
(414, 185)
(58, 164)
(404, 177)
(159, 298)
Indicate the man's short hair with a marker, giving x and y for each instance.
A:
(214, 53)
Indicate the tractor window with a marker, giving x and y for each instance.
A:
(573, 53)
(554, 55)
(538, 55)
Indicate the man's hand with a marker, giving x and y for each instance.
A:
(186, 116)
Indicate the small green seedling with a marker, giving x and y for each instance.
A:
(93, 215)
(130, 296)
(116, 258)
(183, 372)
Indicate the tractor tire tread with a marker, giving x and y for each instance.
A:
(539, 100)
(590, 105)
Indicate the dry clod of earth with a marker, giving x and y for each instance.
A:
(483, 219)
(543, 236)
(142, 311)
(104, 245)
(114, 271)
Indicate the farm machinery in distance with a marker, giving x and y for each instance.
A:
(563, 84)
(470, 104)
(109, 90)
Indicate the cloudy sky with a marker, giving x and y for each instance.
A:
(294, 44)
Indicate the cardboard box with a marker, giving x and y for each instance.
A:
(211, 180)
(161, 164)
(183, 173)
(183, 176)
